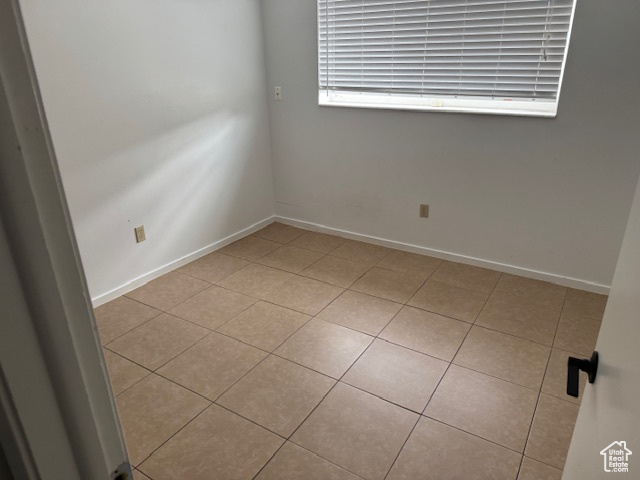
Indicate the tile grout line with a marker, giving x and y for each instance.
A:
(133, 384)
(215, 252)
(288, 439)
(209, 284)
(535, 410)
(404, 304)
(328, 392)
(214, 402)
(132, 329)
(163, 443)
(248, 419)
(439, 381)
(461, 343)
(434, 390)
(297, 428)
(155, 371)
(460, 346)
(319, 403)
(309, 368)
(340, 380)
(349, 288)
(395, 460)
(312, 453)
(210, 331)
(211, 402)
(493, 442)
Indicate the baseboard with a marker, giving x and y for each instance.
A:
(478, 262)
(147, 277)
(524, 272)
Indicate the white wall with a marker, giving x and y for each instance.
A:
(158, 114)
(541, 194)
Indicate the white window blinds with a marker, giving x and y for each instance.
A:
(486, 55)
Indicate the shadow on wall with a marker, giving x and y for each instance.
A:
(184, 186)
(158, 115)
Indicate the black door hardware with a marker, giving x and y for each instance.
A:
(573, 377)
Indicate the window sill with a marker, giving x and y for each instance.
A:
(522, 108)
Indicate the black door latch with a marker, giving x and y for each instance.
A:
(573, 377)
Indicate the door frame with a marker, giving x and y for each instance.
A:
(58, 416)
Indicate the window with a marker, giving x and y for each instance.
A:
(481, 56)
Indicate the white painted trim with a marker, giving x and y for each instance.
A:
(147, 277)
(501, 267)
(478, 262)
(63, 420)
(502, 106)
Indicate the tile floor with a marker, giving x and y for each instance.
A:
(297, 355)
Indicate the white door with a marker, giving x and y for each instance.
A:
(57, 413)
(610, 410)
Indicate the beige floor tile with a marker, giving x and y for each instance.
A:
(449, 300)
(532, 292)
(256, 281)
(213, 365)
(120, 316)
(509, 315)
(159, 340)
(304, 295)
(250, 248)
(265, 325)
(212, 307)
(217, 445)
(480, 405)
(168, 290)
(407, 262)
(137, 475)
(500, 355)
(336, 271)
(361, 252)
(577, 334)
(533, 470)
(426, 332)
(291, 259)
(436, 451)
(277, 394)
(389, 284)
(123, 373)
(397, 374)
(551, 431)
(467, 276)
(360, 312)
(279, 232)
(152, 411)
(555, 380)
(213, 267)
(491, 408)
(318, 242)
(295, 463)
(325, 347)
(356, 431)
(585, 304)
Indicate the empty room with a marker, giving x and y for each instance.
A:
(319, 239)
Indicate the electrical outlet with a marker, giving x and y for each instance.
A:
(424, 211)
(140, 236)
(278, 92)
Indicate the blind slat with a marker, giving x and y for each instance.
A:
(495, 48)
